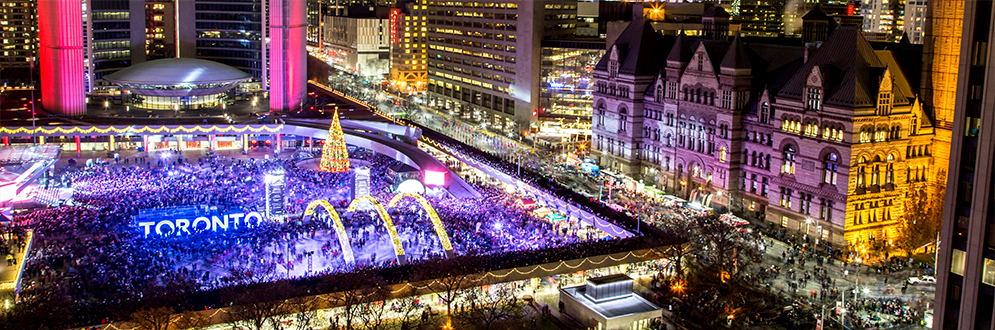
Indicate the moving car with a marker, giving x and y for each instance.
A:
(921, 280)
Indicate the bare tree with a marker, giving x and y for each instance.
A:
(152, 319)
(407, 306)
(490, 310)
(257, 305)
(452, 288)
(304, 309)
(727, 251)
(373, 311)
(191, 320)
(449, 279)
(358, 287)
(679, 255)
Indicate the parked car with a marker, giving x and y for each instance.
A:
(921, 280)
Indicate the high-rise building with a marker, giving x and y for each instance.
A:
(60, 54)
(120, 33)
(884, 19)
(965, 289)
(915, 20)
(288, 77)
(940, 65)
(358, 41)
(160, 29)
(226, 31)
(409, 45)
(794, 11)
(116, 37)
(484, 57)
(761, 18)
(568, 88)
(18, 31)
(315, 21)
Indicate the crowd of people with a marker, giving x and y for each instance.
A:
(91, 249)
(536, 180)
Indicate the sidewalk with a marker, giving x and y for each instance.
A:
(10, 276)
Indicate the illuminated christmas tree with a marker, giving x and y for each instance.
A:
(334, 156)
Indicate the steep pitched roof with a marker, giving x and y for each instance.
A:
(816, 14)
(716, 51)
(681, 51)
(901, 88)
(772, 66)
(639, 48)
(850, 70)
(736, 57)
(715, 12)
(910, 60)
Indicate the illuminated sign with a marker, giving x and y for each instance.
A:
(177, 227)
(361, 182)
(275, 186)
(433, 178)
(395, 15)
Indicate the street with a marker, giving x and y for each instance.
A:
(874, 297)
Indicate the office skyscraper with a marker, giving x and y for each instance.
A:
(408, 37)
(484, 57)
(18, 32)
(119, 33)
(965, 290)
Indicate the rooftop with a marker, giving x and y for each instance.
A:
(176, 71)
(609, 279)
(631, 304)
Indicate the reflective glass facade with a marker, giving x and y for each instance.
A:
(566, 81)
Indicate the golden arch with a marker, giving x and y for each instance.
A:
(395, 239)
(440, 230)
(337, 223)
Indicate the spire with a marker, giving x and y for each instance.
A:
(736, 57)
(905, 38)
(334, 156)
(681, 52)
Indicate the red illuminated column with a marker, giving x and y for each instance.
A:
(288, 54)
(60, 34)
(6, 141)
(214, 142)
(77, 145)
(145, 143)
(279, 143)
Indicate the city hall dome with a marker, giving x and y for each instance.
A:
(178, 83)
(178, 77)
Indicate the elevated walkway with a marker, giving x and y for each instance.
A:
(406, 153)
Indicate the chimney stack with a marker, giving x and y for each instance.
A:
(810, 49)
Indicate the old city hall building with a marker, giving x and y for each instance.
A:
(823, 138)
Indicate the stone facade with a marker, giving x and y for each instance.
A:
(824, 140)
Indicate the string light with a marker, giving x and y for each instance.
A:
(339, 228)
(7, 286)
(394, 237)
(440, 230)
(611, 228)
(334, 155)
(142, 129)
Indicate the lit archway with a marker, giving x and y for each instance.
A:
(337, 224)
(395, 239)
(440, 230)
